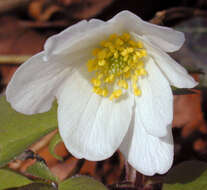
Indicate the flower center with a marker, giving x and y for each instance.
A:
(118, 61)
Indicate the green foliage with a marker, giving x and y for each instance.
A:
(190, 175)
(35, 186)
(53, 143)
(40, 170)
(18, 131)
(80, 183)
(9, 179)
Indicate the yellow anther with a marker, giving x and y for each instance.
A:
(111, 97)
(132, 43)
(135, 58)
(126, 57)
(137, 92)
(103, 43)
(127, 51)
(123, 84)
(143, 72)
(109, 79)
(96, 82)
(130, 50)
(127, 75)
(120, 83)
(111, 50)
(137, 72)
(126, 69)
(118, 61)
(119, 42)
(102, 54)
(120, 48)
(116, 54)
(140, 64)
(140, 72)
(130, 62)
(97, 90)
(134, 78)
(105, 92)
(95, 51)
(125, 36)
(100, 91)
(124, 52)
(116, 94)
(100, 76)
(112, 36)
(143, 53)
(138, 54)
(101, 62)
(109, 44)
(91, 65)
(91, 62)
(139, 44)
(134, 85)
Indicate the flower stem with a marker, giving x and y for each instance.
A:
(134, 177)
(130, 173)
(13, 59)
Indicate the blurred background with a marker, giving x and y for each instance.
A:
(26, 24)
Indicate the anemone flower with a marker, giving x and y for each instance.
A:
(112, 81)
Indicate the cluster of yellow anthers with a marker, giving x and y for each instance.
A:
(119, 59)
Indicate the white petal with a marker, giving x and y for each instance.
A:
(71, 39)
(33, 86)
(147, 154)
(156, 102)
(88, 34)
(90, 126)
(174, 72)
(165, 38)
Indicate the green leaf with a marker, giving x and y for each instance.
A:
(190, 175)
(18, 131)
(9, 179)
(40, 170)
(35, 186)
(53, 143)
(80, 183)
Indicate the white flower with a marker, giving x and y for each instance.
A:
(131, 104)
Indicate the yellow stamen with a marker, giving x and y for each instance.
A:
(95, 51)
(96, 82)
(105, 92)
(123, 84)
(116, 94)
(139, 44)
(117, 61)
(137, 92)
(101, 62)
(126, 69)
